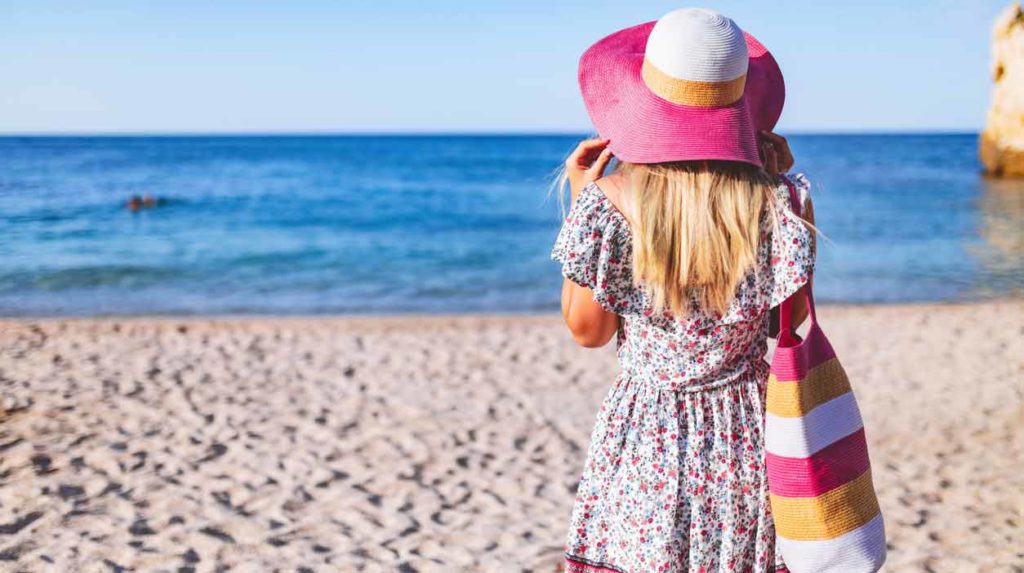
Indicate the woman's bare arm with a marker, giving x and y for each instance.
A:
(591, 325)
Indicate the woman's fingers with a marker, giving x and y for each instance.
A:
(585, 153)
(773, 137)
(597, 169)
(769, 158)
(586, 163)
(784, 157)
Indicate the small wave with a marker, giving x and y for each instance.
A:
(133, 276)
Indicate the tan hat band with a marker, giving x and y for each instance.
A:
(692, 93)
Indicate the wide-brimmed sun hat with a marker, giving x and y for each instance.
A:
(690, 86)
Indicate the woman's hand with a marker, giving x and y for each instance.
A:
(775, 153)
(586, 164)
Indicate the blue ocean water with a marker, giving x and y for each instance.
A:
(424, 224)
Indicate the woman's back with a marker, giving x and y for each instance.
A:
(704, 348)
(675, 477)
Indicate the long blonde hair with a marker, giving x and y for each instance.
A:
(696, 229)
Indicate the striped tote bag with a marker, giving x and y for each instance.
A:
(826, 513)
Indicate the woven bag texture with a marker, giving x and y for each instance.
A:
(823, 501)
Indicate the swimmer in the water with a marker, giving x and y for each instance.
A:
(147, 201)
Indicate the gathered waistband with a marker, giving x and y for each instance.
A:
(754, 371)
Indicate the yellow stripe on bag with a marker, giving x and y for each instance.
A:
(829, 515)
(824, 382)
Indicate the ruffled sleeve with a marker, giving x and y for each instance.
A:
(595, 249)
(792, 256)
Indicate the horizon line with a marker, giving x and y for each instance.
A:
(443, 133)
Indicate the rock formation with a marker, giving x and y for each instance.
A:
(1002, 142)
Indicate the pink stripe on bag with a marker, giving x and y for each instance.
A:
(826, 470)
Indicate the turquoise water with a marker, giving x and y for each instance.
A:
(395, 224)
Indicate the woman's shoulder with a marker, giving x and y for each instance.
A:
(595, 250)
(792, 253)
(801, 184)
(611, 188)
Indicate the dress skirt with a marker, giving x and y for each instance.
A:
(675, 482)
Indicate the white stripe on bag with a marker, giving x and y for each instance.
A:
(802, 437)
(859, 551)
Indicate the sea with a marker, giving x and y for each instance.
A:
(424, 224)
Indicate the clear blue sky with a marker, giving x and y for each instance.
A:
(455, 65)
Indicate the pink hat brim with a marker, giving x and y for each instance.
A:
(644, 128)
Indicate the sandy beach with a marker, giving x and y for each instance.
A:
(439, 444)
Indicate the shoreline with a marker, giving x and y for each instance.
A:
(425, 317)
(440, 443)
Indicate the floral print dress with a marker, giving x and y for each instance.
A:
(674, 479)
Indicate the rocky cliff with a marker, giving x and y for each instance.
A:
(1002, 142)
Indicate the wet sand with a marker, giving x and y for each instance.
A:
(438, 444)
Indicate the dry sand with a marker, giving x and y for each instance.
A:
(438, 444)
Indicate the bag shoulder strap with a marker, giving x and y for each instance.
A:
(794, 196)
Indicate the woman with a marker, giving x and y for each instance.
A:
(681, 252)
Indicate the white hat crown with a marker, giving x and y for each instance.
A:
(697, 57)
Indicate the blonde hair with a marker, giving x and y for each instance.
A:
(696, 229)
